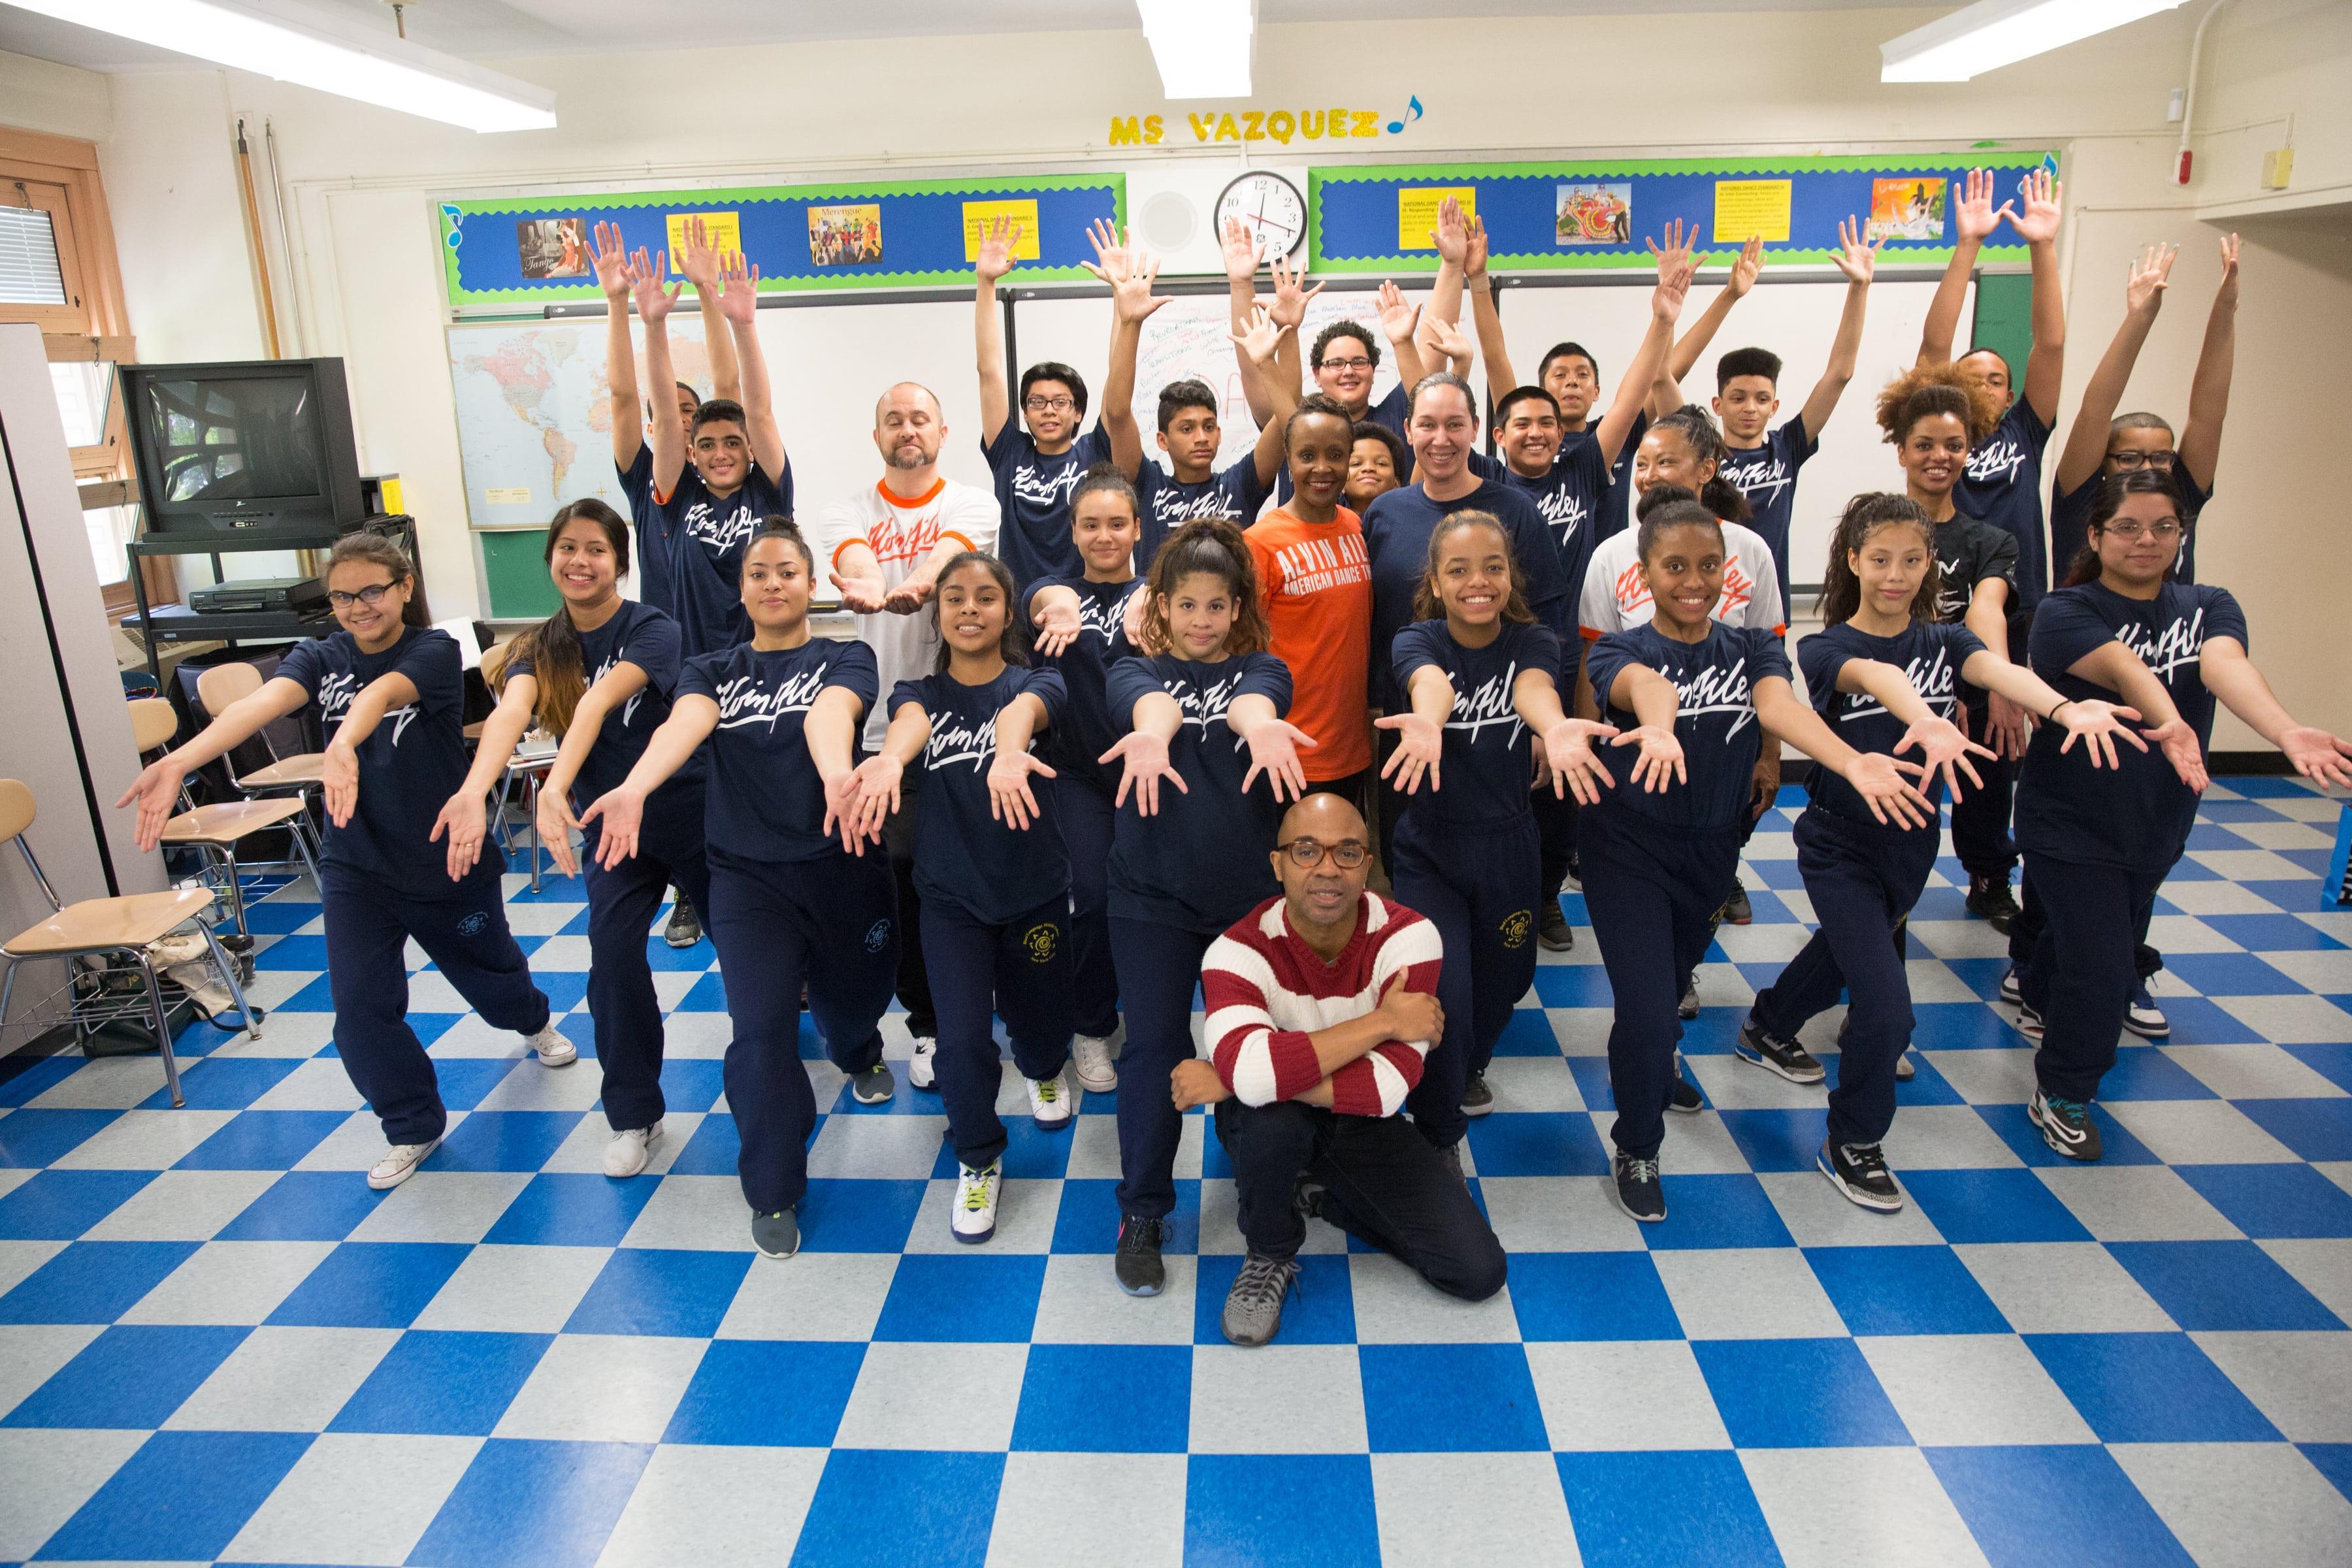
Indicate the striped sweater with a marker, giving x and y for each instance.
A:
(1266, 991)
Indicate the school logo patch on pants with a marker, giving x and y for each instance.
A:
(877, 937)
(475, 924)
(1515, 926)
(1039, 942)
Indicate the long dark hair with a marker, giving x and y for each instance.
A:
(1012, 643)
(2113, 489)
(1426, 605)
(375, 550)
(1213, 545)
(557, 664)
(1718, 495)
(1865, 514)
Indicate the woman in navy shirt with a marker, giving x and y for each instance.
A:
(793, 895)
(2099, 845)
(1482, 678)
(390, 693)
(989, 866)
(1199, 714)
(1885, 677)
(1076, 623)
(1661, 849)
(599, 674)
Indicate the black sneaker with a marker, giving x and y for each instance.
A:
(1477, 1098)
(2029, 1022)
(1735, 909)
(684, 930)
(1137, 1262)
(1452, 1156)
(2066, 1126)
(1991, 900)
(1859, 1171)
(1553, 933)
(1773, 1054)
(1638, 1191)
(1687, 1008)
(1685, 1097)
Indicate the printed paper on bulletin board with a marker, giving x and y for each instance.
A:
(1417, 213)
(1752, 209)
(979, 215)
(720, 231)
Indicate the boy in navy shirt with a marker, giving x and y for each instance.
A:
(1190, 434)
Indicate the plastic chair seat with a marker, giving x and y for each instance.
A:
(305, 769)
(133, 920)
(229, 822)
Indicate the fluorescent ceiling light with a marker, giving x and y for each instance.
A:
(295, 43)
(1994, 33)
(1202, 46)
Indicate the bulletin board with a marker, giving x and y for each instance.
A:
(915, 233)
(1595, 215)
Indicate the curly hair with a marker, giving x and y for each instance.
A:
(1925, 390)
(1211, 545)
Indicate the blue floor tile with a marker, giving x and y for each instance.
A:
(224, 1083)
(1989, 1206)
(1321, 1310)
(58, 1206)
(942, 1509)
(263, 1140)
(182, 1496)
(1905, 1291)
(1573, 985)
(767, 1393)
(2045, 1507)
(533, 1505)
(1105, 1399)
(2221, 1286)
(1962, 1026)
(1665, 1509)
(2333, 1461)
(2273, 1201)
(1088, 1218)
(131, 1376)
(1538, 1143)
(1279, 1511)
(642, 1290)
(2332, 1059)
(371, 1285)
(2145, 1072)
(1590, 1296)
(711, 1152)
(1450, 1399)
(1798, 1394)
(504, 1140)
(30, 1139)
(2271, 933)
(967, 1297)
(92, 1281)
(2229, 975)
(2313, 1129)
(1716, 1211)
(2197, 1022)
(306, 1205)
(1777, 1140)
(443, 1384)
(855, 1214)
(1529, 1033)
(565, 1210)
(2149, 1388)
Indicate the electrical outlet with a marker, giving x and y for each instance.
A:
(2278, 168)
(2176, 104)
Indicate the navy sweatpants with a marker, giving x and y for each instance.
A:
(1555, 821)
(622, 903)
(1980, 816)
(1479, 887)
(1863, 880)
(465, 934)
(833, 922)
(1158, 970)
(914, 982)
(979, 969)
(1652, 893)
(2025, 934)
(1086, 819)
(2084, 967)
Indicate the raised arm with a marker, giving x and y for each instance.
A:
(1677, 266)
(1130, 274)
(1858, 260)
(1255, 343)
(740, 302)
(2037, 223)
(2086, 443)
(1744, 268)
(611, 260)
(156, 790)
(994, 260)
(1974, 218)
(1452, 237)
(1399, 317)
(653, 305)
(2229, 675)
(1289, 314)
(2209, 393)
(699, 263)
(1485, 320)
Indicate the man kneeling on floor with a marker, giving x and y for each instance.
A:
(1321, 1005)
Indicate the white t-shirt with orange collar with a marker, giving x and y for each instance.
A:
(1615, 595)
(901, 532)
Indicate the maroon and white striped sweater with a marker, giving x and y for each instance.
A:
(1266, 991)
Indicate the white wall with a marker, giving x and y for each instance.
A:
(366, 268)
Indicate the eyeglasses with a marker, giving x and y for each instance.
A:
(2131, 531)
(1049, 405)
(372, 595)
(1308, 853)
(2132, 457)
(1359, 362)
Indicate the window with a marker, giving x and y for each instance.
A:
(30, 272)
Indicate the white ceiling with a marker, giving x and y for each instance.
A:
(491, 28)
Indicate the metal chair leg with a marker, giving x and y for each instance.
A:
(7, 990)
(236, 891)
(163, 1028)
(530, 804)
(251, 1015)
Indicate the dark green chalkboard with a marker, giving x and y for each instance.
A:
(515, 570)
(2005, 316)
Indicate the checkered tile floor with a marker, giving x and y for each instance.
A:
(216, 1343)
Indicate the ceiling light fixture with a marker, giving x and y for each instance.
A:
(314, 49)
(1994, 33)
(1201, 47)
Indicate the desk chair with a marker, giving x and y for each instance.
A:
(295, 778)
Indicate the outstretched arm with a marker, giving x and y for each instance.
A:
(1858, 260)
(339, 770)
(463, 816)
(156, 790)
(2208, 395)
(1878, 778)
(611, 260)
(2230, 675)
(1675, 267)
(2037, 224)
(1744, 268)
(621, 810)
(2086, 443)
(995, 260)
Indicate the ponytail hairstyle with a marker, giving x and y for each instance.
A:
(1697, 428)
(1012, 643)
(1929, 389)
(375, 550)
(2113, 489)
(1211, 545)
(1426, 604)
(1104, 476)
(775, 525)
(1865, 514)
(1671, 506)
(552, 646)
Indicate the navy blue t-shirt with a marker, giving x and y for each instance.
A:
(409, 766)
(2136, 816)
(1397, 527)
(1568, 497)
(1767, 476)
(1717, 723)
(1168, 503)
(1199, 864)
(1489, 764)
(765, 800)
(707, 536)
(640, 635)
(963, 855)
(1083, 729)
(1617, 500)
(1033, 497)
(2070, 520)
(2003, 485)
(1928, 653)
(653, 564)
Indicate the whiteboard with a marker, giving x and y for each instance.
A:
(1796, 319)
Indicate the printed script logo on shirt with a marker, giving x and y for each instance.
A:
(1995, 461)
(1310, 566)
(704, 525)
(2179, 644)
(1952, 594)
(1205, 706)
(904, 537)
(1041, 489)
(1717, 688)
(335, 694)
(1738, 588)
(953, 740)
(1173, 507)
(1763, 475)
(743, 701)
(628, 708)
(1563, 513)
(1102, 617)
(1930, 677)
(1489, 703)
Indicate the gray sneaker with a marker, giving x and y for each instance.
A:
(776, 1235)
(875, 1086)
(1478, 1099)
(1451, 1155)
(1254, 1306)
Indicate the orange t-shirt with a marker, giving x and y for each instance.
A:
(1318, 585)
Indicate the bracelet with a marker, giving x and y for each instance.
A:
(2050, 716)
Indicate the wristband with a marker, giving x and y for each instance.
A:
(2051, 716)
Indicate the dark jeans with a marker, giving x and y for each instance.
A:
(621, 907)
(1085, 816)
(2084, 967)
(1384, 1183)
(914, 982)
(1158, 970)
(1478, 887)
(1020, 969)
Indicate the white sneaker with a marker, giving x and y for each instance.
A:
(1091, 1065)
(923, 1071)
(555, 1046)
(626, 1155)
(973, 1218)
(1050, 1102)
(399, 1164)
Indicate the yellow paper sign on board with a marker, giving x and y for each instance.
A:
(979, 215)
(1417, 212)
(1749, 209)
(721, 231)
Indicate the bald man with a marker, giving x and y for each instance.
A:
(1321, 1005)
(883, 550)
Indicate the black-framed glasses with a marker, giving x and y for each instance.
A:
(1308, 853)
(2130, 529)
(1049, 405)
(1357, 362)
(372, 595)
(2132, 457)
